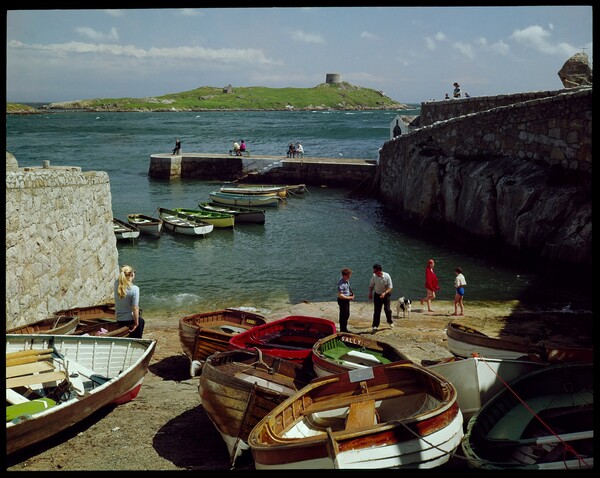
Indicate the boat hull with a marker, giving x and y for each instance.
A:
(291, 338)
(242, 215)
(216, 219)
(544, 421)
(238, 388)
(465, 341)
(58, 325)
(117, 366)
(250, 200)
(124, 231)
(344, 351)
(397, 415)
(188, 227)
(201, 335)
(146, 224)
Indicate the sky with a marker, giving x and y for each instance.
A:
(411, 54)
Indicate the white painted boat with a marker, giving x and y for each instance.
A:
(478, 379)
(146, 224)
(55, 381)
(465, 341)
(186, 226)
(543, 422)
(245, 200)
(124, 230)
(280, 191)
(397, 415)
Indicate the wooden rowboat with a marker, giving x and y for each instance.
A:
(92, 313)
(146, 224)
(239, 387)
(344, 351)
(280, 191)
(217, 219)
(203, 334)
(396, 415)
(291, 338)
(55, 381)
(465, 341)
(58, 325)
(243, 215)
(544, 421)
(187, 226)
(124, 231)
(245, 200)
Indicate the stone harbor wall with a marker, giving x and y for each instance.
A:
(516, 178)
(61, 250)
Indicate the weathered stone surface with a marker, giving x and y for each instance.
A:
(576, 71)
(11, 162)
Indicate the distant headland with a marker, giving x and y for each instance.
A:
(331, 95)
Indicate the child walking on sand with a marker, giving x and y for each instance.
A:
(459, 285)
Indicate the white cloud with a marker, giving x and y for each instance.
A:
(369, 36)
(537, 38)
(500, 47)
(465, 49)
(114, 12)
(439, 36)
(98, 36)
(190, 12)
(222, 55)
(301, 36)
(430, 43)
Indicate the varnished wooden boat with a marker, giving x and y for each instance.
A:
(396, 415)
(291, 338)
(90, 314)
(344, 351)
(543, 422)
(58, 325)
(239, 387)
(465, 341)
(243, 215)
(146, 224)
(55, 381)
(107, 328)
(203, 334)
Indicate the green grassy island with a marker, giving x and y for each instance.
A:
(326, 96)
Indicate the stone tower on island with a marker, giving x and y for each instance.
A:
(333, 78)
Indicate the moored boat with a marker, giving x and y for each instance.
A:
(396, 415)
(243, 215)
(57, 325)
(291, 338)
(544, 421)
(124, 231)
(239, 387)
(280, 191)
(146, 224)
(205, 333)
(217, 219)
(245, 200)
(188, 226)
(345, 351)
(55, 381)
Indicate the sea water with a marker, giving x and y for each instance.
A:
(298, 253)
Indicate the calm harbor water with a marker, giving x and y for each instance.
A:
(298, 253)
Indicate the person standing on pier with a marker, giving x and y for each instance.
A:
(177, 147)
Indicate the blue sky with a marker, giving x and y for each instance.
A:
(412, 54)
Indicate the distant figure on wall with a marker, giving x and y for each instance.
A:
(456, 90)
(397, 130)
(446, 97)
(242, 147)
(177, 147)
(291, 152)
(236, 148)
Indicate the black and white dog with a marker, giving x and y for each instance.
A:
(405, 305)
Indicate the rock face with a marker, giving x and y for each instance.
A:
(576, 71)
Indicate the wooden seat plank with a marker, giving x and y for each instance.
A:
(361, 415)
(28, 368)
(35, 378)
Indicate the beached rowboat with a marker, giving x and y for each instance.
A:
(55, 381)
(396, 415)
(57, 325)
(239, 387)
